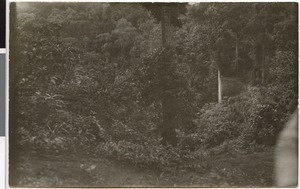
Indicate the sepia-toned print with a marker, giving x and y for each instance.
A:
(153, 94)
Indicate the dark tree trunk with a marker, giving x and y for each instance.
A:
(169, 114)
(14, 147)
(168, 100)
(259, 63)
(165, 26)
(265, 58)
(261, 57)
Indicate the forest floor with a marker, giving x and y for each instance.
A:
(242, 170)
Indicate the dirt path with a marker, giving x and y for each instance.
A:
(41, 171)
(71, 171)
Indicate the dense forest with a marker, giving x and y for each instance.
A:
(167, 94)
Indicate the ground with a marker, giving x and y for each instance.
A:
(242, 170)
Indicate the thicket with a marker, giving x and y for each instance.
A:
(91, 76)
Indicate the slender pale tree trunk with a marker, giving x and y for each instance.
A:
(263, 65)
(190, 78)
(219, 87)
(236, 52)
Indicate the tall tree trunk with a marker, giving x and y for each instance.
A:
(265, 57)
(261, 56)
(165, 26)
(236, 52)
(14, 147)
(263, 65)
(219, 87)
(191, 77)
(258, 61)
(168, 99)
(168, 131)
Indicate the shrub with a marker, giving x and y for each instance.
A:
(250, 118)
(264, 125)
(149, 154)
(64, 132)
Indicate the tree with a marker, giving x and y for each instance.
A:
(262, 26)
(126, 34)
(167, 14)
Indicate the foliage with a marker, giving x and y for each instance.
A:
(91, 78)
(251, 117)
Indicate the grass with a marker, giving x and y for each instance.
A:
(222, 170)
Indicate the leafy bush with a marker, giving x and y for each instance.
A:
(64, 132)
(264, 126)
(149, 154)
(251, 117)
